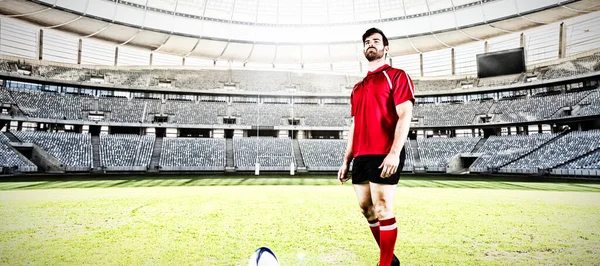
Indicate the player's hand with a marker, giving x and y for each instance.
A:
(343, 173)
(389, 165)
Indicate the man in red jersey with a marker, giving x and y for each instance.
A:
(381, 107)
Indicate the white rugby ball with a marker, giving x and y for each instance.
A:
(263, 256)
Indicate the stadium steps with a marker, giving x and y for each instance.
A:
(539, 147)
(298, 156)
(560, 112)
(96, 152)
(229, 166)
(11, 137)
(576, 158)
(156, 151)
(479, 144)
(577, 106)
(418, 167)
(573, 108)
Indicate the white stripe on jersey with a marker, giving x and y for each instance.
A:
(410, 83)
(389, 80)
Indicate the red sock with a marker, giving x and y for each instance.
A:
(374, 226)
(388, 233)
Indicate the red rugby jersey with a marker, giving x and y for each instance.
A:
(373, 106)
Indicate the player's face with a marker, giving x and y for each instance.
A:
(373, 47)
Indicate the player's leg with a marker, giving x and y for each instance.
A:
(363, 193)
(383, 196)
(360, 180)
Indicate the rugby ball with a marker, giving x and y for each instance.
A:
(263, 256)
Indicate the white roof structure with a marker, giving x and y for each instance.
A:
(290, 31)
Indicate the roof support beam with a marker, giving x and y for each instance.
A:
(432, 34)
(408, 38)
(201, 31)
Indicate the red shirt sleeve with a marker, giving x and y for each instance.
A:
(351, 105)
(404, 89)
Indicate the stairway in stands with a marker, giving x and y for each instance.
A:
(96, 152)
(577, 158)
(11, 137)
(298, 156)
(479, 144)
(536, 149)
(229, 166)
(156, 151)
(417, 157)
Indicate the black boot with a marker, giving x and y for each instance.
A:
(395, 261)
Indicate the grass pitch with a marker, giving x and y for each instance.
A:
(305, 221)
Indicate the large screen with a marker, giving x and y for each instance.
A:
(500, 63)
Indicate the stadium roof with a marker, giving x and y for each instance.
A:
(291, 31)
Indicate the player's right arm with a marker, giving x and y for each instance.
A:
(342, 173)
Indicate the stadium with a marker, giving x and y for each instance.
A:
(161, 132)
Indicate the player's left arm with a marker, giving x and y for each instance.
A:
(392, 160)
(404, 98)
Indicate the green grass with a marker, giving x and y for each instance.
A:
(306, 221)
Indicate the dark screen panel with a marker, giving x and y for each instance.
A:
(500, 63)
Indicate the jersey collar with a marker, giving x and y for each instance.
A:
(381, 68)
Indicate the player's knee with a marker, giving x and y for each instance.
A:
(382, 211)
(367, 210)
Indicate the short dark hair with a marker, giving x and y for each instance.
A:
(372, 31)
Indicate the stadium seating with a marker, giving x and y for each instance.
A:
(5, 66)
(590, 161)
(5, 96)
(590, 105)
(126, 110)
(119, 109)
(573, 151)
(571, 68)
(190, 79)
(203, 80)
(187, 112)
(435, 85)
(10, 159)
(125, 152)
(555, 153)
(451, 114)
(323, 115)
(499, 150)
(265, 114)
(260, 80)
(53, 106)
(319, 83)
(327, 154)
(535, 108)
(192, 154)
(500, 81)
(409, 161)
(322, 155)
(60, 73)
(270, 153)
(436, 152)
(127, 78)
(74, 150)
(251, 80)
(3, 138)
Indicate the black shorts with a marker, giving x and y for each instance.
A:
(365, 168)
